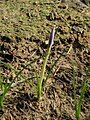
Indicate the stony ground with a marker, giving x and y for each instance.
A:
(25, 27)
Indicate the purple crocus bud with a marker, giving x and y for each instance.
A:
(51, 40)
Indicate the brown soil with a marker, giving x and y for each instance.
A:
(18, 48)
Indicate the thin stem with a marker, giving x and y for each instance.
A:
(51, 41)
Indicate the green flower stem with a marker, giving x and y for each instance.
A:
(45, 63)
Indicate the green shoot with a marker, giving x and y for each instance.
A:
(40, 81)
(78, 103)
(4, 86)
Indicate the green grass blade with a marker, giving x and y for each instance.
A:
(80, 102)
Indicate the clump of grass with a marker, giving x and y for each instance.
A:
(6, 86)
(40, 79)
(79, 102)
